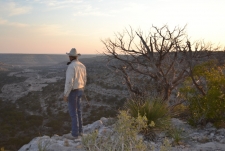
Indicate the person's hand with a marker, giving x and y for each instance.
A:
(65, 99)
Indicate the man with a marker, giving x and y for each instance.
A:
(74, 87)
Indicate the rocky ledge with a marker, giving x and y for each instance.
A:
(193, 139)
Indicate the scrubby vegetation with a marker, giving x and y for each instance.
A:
(9, 80)
(17, 127)
(155, 111)
(175, 134)
(206, 96)
(25, 119)
(124, 137)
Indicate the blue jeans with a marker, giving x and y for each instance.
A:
(74, 105)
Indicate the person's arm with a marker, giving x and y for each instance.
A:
(85, 78)
(69, 81)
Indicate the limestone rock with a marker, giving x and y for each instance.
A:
(210, 146)
(92, 127)
(195, 139)
(221, 131)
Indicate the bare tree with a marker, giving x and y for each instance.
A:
(156, 63)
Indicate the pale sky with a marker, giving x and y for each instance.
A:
(56, 26)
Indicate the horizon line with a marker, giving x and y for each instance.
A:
(44, 53)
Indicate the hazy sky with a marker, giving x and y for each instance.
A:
(55, 26)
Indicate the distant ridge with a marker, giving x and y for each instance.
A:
(35, 59)
(45, 54)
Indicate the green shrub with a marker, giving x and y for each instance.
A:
(124, 138)
(208, 104)
(175, 133)
(156, 112)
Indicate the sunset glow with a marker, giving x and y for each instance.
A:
(55, 26)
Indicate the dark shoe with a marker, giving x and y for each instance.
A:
(80, 134)
(71, 137)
